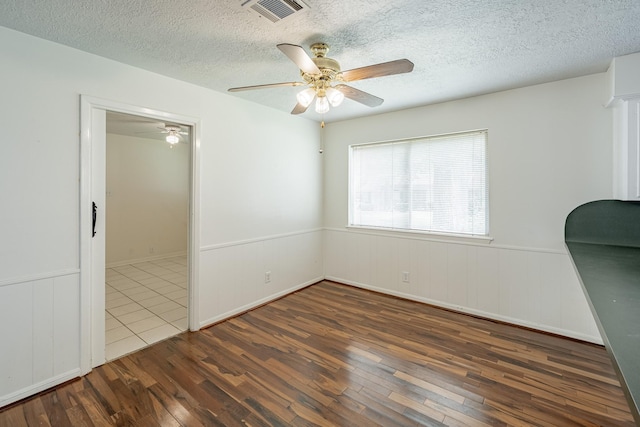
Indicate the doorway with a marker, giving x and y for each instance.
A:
(151, 281)
(147, 225)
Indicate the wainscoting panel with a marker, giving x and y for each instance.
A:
(39, 325)
(523, 286)
(233, 275)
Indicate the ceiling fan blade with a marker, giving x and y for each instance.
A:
(398, 66)
(148, 132)
(267, 86)
(299, 57)
(360, 96)
(299, 109)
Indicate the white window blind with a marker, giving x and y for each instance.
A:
(436, 184)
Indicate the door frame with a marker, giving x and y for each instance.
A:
(92, 251)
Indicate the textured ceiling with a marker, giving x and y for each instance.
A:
(460, 48)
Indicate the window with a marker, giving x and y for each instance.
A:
(436, 184)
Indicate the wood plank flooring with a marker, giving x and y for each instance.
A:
(336, 355)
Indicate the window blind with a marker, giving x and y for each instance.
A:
(436, 184)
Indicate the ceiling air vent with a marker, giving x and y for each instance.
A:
(275, 10)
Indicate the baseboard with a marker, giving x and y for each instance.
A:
(31, 390)
(145, 259)
(258, 303)
(474, 312)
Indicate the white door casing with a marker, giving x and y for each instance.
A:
(92, 249)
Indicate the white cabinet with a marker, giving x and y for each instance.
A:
(626, 149)
(624, 99)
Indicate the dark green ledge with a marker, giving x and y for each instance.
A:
(603, 239)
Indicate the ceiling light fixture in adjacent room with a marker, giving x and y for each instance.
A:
(172, 139)
(173, 134)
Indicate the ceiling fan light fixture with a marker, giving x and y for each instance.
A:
(306, 96)
(319, 73)
(334, 96)
(172, 138)
(322, 105)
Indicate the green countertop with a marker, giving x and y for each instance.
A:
(605, 251)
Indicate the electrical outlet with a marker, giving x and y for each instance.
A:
(405, 276)
(152, 249)
(267, 277)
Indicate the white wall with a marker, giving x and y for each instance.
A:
(549, 151)
(147, 198)
(260, 187)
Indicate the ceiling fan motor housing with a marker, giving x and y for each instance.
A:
(329, 68)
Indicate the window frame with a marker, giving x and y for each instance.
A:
(435, 233)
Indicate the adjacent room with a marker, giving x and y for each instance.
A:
(310, 212)
(146, 232)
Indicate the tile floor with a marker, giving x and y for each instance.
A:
(145, 302)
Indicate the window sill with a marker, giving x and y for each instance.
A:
(423, 235)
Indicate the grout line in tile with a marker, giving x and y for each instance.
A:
(147, 278)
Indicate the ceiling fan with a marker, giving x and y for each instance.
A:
(325, 80)
(174, 133)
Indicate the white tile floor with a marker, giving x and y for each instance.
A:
(146, 302)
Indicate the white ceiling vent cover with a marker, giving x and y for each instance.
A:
(275, 10)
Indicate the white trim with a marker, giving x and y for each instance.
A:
(614, 100)
(145, 259)
(634, 139)
(530, 249)
(88, 105)
(37, 388)
(457, 240)
(428, 234)
(423, 137)
(86, 110)
(474, 312)
(254, 304)
(40, 276)
(194, 229)
(119, 107)
(258, 239)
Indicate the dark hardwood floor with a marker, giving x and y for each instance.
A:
(336, 355)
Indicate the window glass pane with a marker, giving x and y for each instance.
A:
(432, 184)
